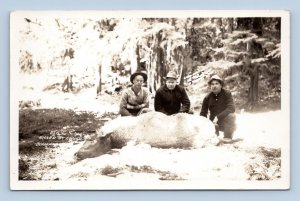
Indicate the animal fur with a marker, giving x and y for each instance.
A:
(154, 128)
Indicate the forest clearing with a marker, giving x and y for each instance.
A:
(50, 137)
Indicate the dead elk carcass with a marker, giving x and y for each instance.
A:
(153, 128)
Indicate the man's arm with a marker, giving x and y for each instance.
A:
(145, 103)
(204, 108)
(185, 101)
(230, 108)
(124, 105)
(158, 105)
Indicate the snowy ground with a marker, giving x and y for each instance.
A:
(229, 161)
(257, 157)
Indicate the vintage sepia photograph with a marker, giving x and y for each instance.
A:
(150, 100)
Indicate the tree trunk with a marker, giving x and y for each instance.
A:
(162, 65)
(244, 23)
(152, 69)
(186, 53)
(278, 27)
(138, 57)
(159, 61)
(257, 26)
(99, 88)
(253, 92)
(183, 72)
(253, 72)
(67, 84)
(230, 25)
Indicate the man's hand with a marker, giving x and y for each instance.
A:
(215, 121)
(141, 106)
(130, 106)
(135, 107)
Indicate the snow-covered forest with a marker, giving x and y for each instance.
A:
(101, 54)
(72, 71)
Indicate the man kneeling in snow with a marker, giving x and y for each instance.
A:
(135, 99)
(220, 104)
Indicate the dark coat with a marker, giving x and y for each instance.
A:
(171, 101)
(219, 105)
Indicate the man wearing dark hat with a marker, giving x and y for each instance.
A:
(171, 98)
(220, 104)
(135, 98)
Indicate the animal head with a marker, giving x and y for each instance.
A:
(94, 147)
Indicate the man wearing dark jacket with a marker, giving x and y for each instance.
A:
(171, 98)
(220, 104)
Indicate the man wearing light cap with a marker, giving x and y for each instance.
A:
(171, 98)
(220, 104)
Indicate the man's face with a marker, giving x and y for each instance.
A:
(215, 86)
(171, 83)
(138, 81)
